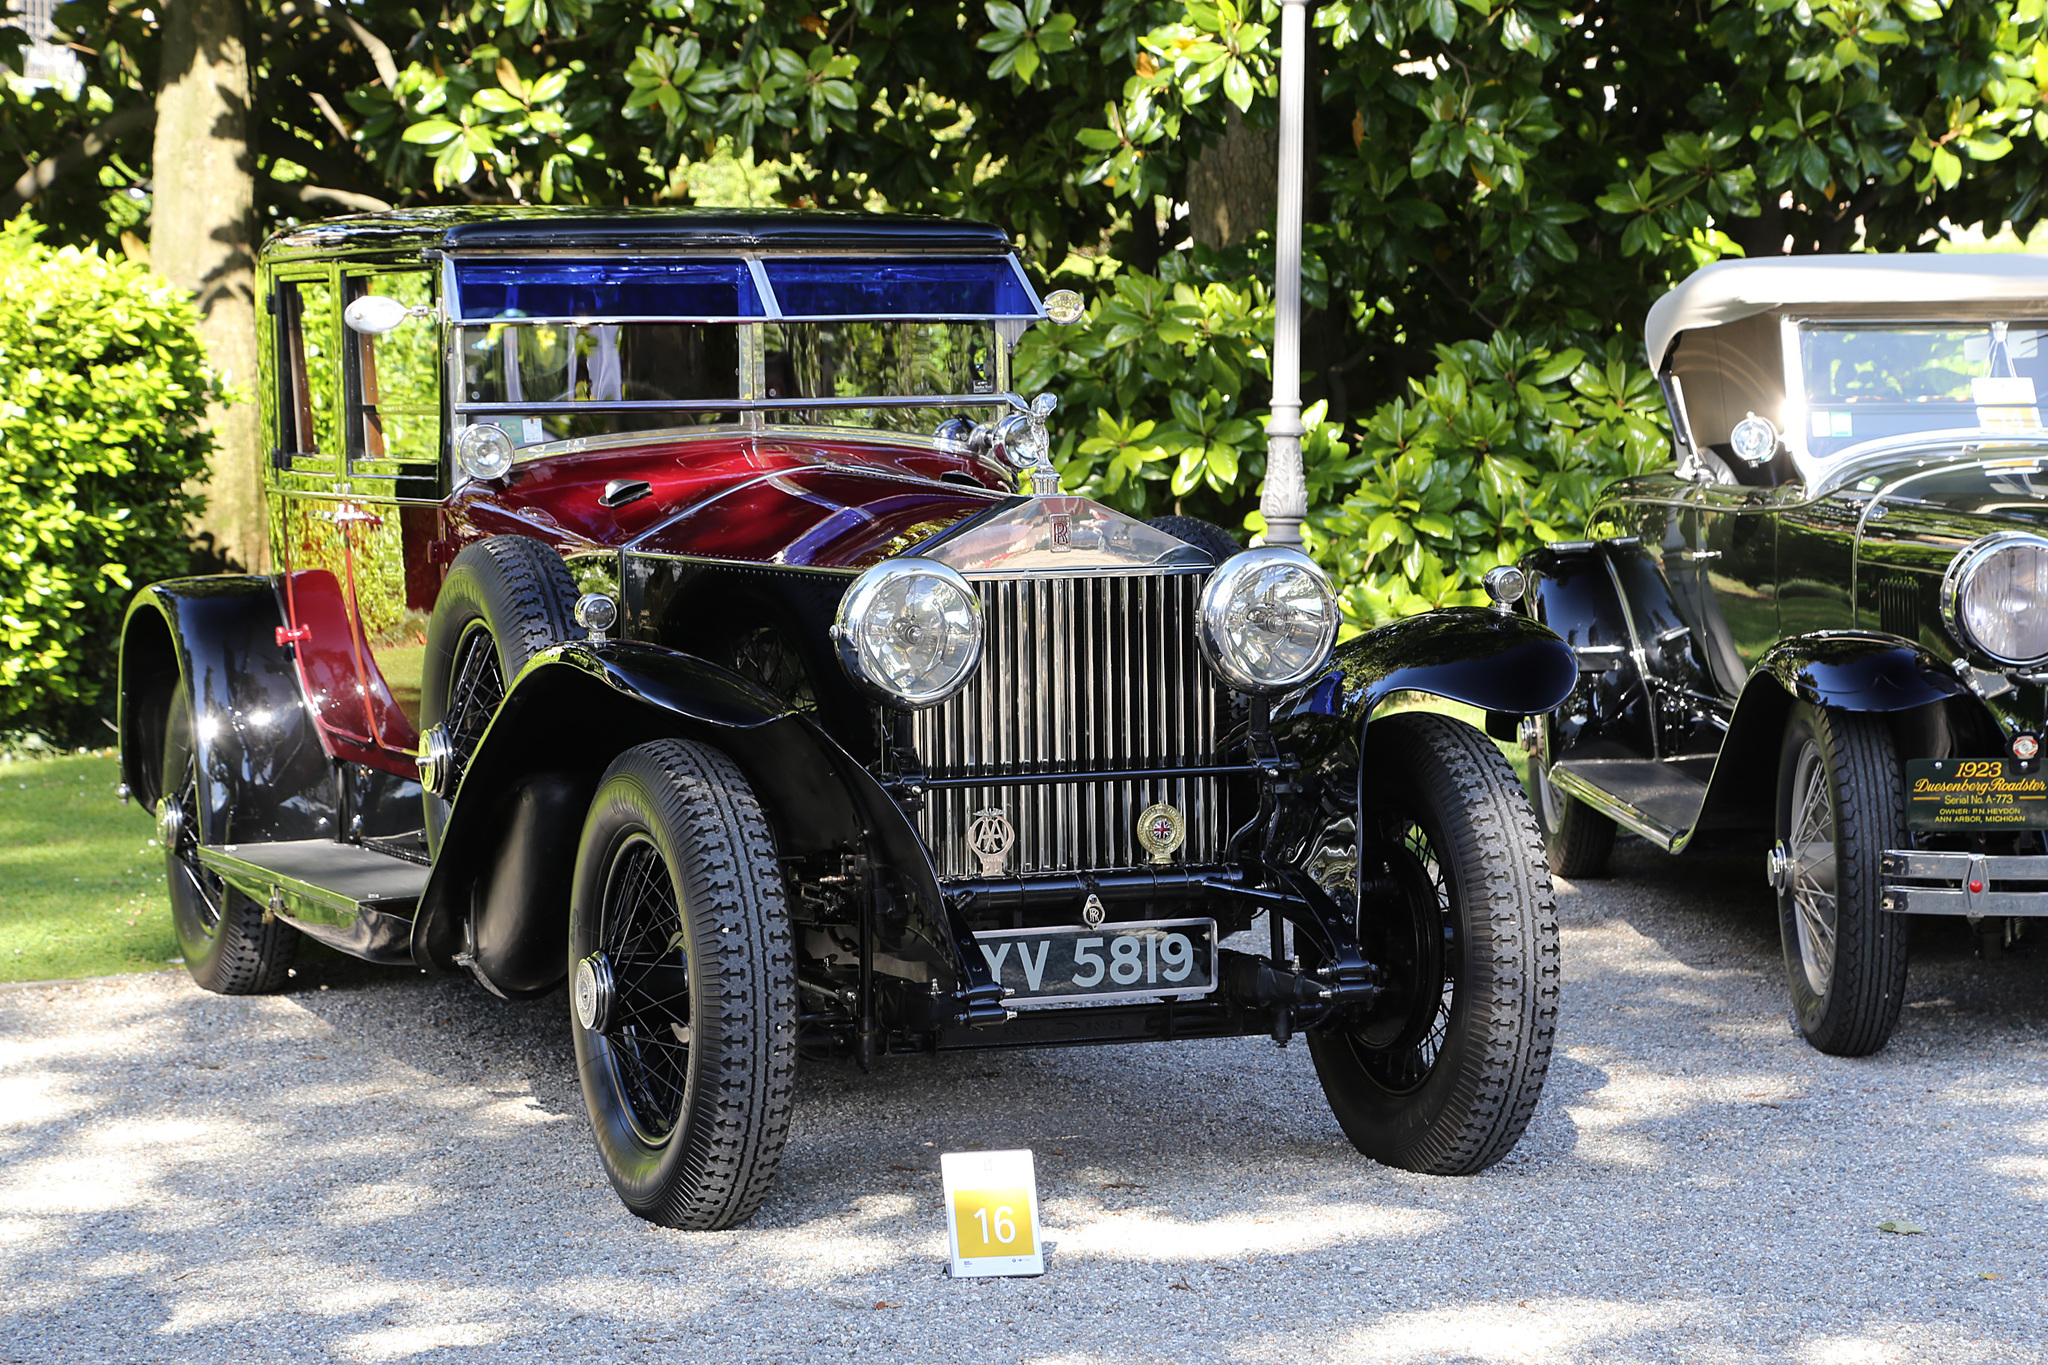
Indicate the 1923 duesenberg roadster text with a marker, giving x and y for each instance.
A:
(679, 606)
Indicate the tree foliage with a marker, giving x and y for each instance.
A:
(1496, 185)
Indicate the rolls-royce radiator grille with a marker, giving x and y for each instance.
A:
(1078, 675)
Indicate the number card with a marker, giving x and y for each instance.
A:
(992, 1213)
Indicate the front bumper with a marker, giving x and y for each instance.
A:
(1917, 882)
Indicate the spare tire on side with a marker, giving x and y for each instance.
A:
(506, 598)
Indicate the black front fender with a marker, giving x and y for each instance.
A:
(499, 891)
(1497, 661)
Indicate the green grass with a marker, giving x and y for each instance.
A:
(81, 879)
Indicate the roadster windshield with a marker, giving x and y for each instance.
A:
(1865, 382)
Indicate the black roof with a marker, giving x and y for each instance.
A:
(544, 228)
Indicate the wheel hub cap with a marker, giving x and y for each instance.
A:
(594, 993)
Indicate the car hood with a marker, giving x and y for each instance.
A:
(805, 502)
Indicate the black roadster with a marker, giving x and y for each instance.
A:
(1829, 624)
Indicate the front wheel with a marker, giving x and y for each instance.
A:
(1442, 1074)
(683, 986)
(1841, 803)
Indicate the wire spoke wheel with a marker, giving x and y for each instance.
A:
(683, 986)
(1814, 873)
(1422, 951)
(641, 927)
(1841, 805)
(1442, 1071)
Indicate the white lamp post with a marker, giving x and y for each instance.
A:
(1285, 500)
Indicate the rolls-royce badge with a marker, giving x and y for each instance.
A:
(1162, 829)
(990, 836)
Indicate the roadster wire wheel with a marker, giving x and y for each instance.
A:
(1441, 1074)
(228, 945)
(1841, 803)
(683, 984)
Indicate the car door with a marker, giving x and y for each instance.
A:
(391, 515)
(308, 516)
(1727, 578)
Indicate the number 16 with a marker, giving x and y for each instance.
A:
(1006, 1230)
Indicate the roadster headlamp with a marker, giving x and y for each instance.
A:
(1994, 598)
(1268, 619)
(909, 632)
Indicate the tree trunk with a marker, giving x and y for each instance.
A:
(202, 237)
(1232, 185)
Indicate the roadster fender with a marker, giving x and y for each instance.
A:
(262, 772)
(1844, 671)
(498, 898)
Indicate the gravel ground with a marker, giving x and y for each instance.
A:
(384, 1167)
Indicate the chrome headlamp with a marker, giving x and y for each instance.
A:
(1268, 619)
(909, 632)
(1994, 598)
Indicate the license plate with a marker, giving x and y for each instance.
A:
(1974, 793)
(1141, 960)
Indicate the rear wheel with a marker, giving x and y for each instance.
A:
(1442, 1074)
(1577, 840)
(229, 945)
(683, 984)
(1841, 803)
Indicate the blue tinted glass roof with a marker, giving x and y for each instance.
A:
(985, 287)
(497, 290)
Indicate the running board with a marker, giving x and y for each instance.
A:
(1640, 794)
(350, 897)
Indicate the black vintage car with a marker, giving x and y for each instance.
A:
(1829, 624)
(680, 607)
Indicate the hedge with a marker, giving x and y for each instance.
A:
(103, 392)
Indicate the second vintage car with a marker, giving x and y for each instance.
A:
(680, 607)
(1828, 625)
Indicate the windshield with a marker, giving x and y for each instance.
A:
(551, 349)
(1864, 382)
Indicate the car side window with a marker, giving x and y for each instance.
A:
(394, 388)
(309, 377)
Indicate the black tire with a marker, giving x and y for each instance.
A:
(229, 946)
(505, 599)
(679, 893)
(1442, 1075)
(1205, 535)
(1840, 790)
(1577, 840)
